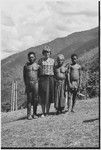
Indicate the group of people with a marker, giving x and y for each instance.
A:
(48, 81)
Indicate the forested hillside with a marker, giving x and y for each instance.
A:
(84, 43)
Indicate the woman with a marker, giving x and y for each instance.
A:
(60, 84)
(46, 80)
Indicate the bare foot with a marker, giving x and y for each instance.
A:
(34, 117)
(29, 117)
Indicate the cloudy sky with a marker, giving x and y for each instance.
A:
(26, 23)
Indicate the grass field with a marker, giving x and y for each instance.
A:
(79, 129)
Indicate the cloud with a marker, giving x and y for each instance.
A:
(6, 20)
(29, 23)
(74, 8)
(9, 51)
(80, 13)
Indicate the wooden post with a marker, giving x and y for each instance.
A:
(86, 74)
(85, 85)
(15, 95)
(12, 96)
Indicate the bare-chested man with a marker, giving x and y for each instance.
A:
(74, 71)
(30, 75)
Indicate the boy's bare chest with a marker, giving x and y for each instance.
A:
(74, 72)
(74, 68)
(32, 68)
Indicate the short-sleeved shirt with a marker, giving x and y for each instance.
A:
(46, 66)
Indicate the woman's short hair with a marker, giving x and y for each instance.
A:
(46, 49)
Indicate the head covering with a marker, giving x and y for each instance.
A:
(46, 49)
(60, 56)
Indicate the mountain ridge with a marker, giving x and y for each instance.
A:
(12, 67)
(60, 38)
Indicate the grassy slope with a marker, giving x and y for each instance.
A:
(80, 129)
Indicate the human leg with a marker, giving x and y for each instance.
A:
(74, 100)
(29, 98)
(69, 101)
(47, 108)
(49, 93)
(35, 99)
(43, 109)
(68, 96)
(42, 93)
(62, 96)
(47, 105)
(56, 97)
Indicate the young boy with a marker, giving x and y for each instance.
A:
(30, 75)
(73, 79)
(60, 76)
